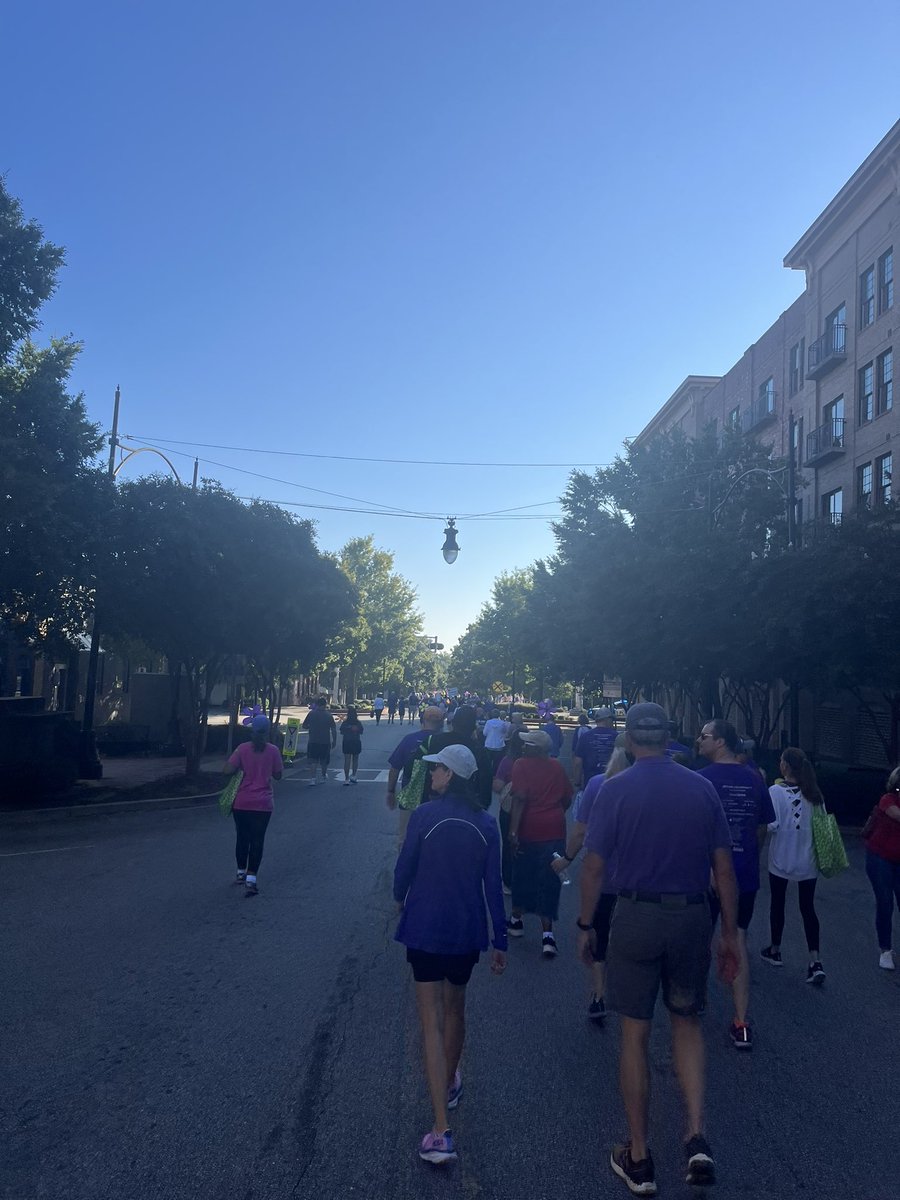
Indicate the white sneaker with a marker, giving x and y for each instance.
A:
(548, 946)
(886, 962)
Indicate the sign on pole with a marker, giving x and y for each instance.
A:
(291, 738)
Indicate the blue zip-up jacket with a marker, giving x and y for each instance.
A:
(448, 869)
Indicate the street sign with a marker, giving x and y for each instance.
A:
(291, 738)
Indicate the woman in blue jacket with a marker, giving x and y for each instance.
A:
(448, 867)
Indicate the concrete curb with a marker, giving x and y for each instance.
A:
(25, 816)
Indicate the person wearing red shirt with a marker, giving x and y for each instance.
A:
(883, 866)
(541, 794)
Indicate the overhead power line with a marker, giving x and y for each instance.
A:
(411, 462)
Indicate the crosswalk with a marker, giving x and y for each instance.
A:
(363, 775)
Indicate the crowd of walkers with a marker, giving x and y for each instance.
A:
(672, 841)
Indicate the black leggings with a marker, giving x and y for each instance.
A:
(250, 827)
(807, 889)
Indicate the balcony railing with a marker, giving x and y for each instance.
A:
(826, 442)
(758, 414)
(827, 352)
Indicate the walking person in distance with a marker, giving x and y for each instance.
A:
(254, 802)
(351, 744)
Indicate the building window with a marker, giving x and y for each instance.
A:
(765, 397)
(864, 481)
(883, 479)
(885, 376)
(797, 440)
(886, 281)
(795, 367)
(867, 297)
(734, 419)
(833, 506)
(866, 393)
(833, 416)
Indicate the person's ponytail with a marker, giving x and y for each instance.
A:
(804, 773)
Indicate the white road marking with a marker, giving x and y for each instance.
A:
(56, 850)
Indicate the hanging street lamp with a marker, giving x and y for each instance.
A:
(450, 549)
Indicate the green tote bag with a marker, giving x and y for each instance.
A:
(226, 799)
(827, 842)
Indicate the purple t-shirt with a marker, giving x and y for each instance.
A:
(405, 752)
(657, 828)
(595, 747)
(747, 804)
(588, 796)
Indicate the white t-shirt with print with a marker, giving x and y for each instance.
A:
(791, 853)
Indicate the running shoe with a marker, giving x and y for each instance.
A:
(507, 891)
(241, 877)
(772, 957)
(250, 889)
(639, 1177)
(515, 927)
(815, 974)
(741, 1036)
(549, 948)
(886, 961)
(596, 1009)
(701, 1169)
(353, 779)
(346, 783)
(454, 1091)
(438, 1148)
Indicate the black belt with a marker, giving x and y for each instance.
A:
(675, 899)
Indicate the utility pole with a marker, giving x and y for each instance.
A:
(196, 471)
(90, 766)
(793, 688)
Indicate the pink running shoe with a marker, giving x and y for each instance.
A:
(438, 1148)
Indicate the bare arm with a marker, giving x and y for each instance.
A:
(393, 776)
(727, 953)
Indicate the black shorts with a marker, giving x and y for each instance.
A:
(433, 968)
(746, 904)
(319, 752)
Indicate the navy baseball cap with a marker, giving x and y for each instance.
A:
(648, 718)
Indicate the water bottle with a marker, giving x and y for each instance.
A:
(564, 875)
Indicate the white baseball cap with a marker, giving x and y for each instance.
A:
(458, 759)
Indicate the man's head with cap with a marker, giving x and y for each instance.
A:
(536, 742)
(603, 715)
(647, 729)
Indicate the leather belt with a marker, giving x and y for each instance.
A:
(673, 899)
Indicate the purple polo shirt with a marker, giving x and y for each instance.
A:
(657, 828)
(405, 751)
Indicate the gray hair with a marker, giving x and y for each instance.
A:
(618, 761)
(649, 739)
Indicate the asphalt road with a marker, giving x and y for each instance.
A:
(166, 1038)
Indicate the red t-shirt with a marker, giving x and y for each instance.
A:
(884, 840)
(545, 787)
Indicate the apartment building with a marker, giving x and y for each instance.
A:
(828, 360)
(827, 363)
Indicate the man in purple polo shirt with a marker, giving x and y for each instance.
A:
(659, 831)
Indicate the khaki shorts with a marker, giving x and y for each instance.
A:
(653, 945)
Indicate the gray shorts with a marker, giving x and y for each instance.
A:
(652, 944)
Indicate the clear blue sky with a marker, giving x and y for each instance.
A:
(496, 231)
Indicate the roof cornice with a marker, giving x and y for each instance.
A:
(884, 160)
